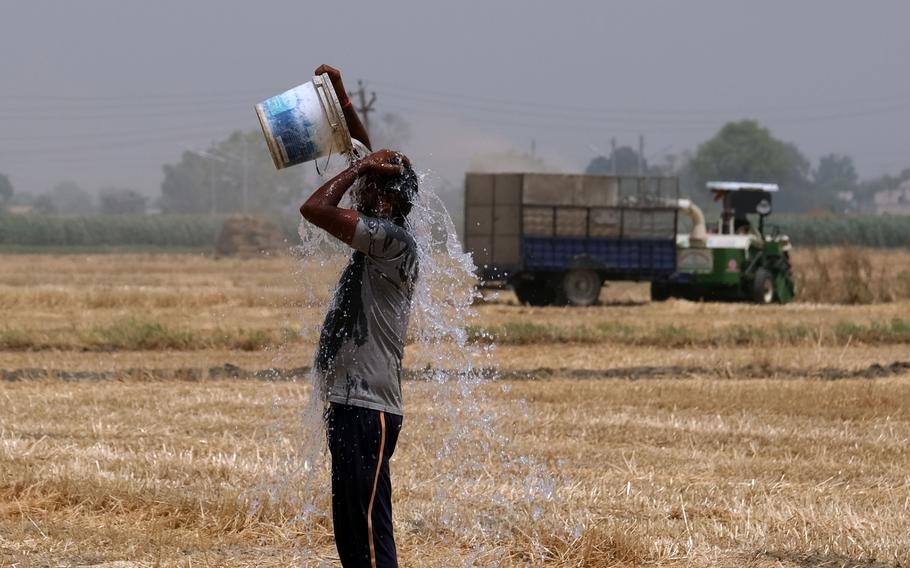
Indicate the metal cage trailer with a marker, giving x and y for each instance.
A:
(557, 238)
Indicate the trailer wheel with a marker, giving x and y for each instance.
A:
(581, 287)
(660, 291)
(535, 292)
(763, 289)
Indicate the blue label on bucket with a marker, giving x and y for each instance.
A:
(296, 134)
(282, 103)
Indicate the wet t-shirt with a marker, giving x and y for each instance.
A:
(362, 340)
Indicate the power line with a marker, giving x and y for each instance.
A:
(98, 114)
(107, 134)
(504, 108)
(143, 96)
(398, 87)
(663, 122)
(210, 109)
(549, 123)
(118, 144)
(207, 98)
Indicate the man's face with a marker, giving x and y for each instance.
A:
(374, 201)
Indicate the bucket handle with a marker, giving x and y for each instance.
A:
(329, 109)
(327, 160)
(331, 114)
(336, 120)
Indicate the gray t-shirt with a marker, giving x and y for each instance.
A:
(363, 337)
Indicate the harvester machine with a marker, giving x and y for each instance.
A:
(734, 259)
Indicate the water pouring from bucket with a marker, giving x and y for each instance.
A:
(308, 122)
(407, 259)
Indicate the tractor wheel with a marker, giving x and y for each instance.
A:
(763, 288)
(784, 287)
(660, 291)
(535, 292)
(581, 287)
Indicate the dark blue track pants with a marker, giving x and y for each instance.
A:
(361, 442)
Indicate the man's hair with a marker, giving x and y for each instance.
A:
(402, 188)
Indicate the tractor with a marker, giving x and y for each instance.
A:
(735, 259)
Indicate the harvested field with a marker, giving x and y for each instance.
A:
(148, 400)
(667, 472)
(194, 303)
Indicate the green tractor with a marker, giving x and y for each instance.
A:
(735, 260)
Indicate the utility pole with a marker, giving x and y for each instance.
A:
(641, 155)
(365, 107)
(245, 170)
(613, 154)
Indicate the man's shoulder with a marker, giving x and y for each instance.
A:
(387, 229)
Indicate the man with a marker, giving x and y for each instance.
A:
(362, 340)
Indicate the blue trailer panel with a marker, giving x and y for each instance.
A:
(626, 258)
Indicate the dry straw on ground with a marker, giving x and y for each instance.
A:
(149, 302)
(664, 473)
(699, 467)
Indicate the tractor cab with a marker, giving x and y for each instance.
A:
(741, 199)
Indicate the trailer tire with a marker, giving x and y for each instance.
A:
(580, 287)
(660, 291)
(535, 292)
(763, 288)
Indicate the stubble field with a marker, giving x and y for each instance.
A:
(148, 401)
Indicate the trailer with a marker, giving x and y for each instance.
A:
(557, 238)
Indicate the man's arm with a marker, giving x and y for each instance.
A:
(322, 210)
(355, 127)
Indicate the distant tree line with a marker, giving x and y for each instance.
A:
(237, 175)
(746, 151)
(68, 199)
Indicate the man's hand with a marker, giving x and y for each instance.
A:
(358, 132)
(383, 162)
(335, 77)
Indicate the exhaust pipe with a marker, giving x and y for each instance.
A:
(699, 234)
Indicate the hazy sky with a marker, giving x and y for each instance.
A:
(104, 92)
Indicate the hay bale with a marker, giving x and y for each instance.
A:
(249, 236)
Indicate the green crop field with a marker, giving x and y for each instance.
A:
(20, 233)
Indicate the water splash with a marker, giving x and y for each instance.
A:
(464, 426)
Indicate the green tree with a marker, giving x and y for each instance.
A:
(746, 151)
(234, 175)
(836, 182)
(44, 205)
(625, 158)
(6, 191)
(69, 198)
(835, 170)
(113, 201)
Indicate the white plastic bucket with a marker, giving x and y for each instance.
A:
(304, 123)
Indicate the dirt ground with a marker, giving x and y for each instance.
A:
(780, 450)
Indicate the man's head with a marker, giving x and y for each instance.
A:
(388, 196)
